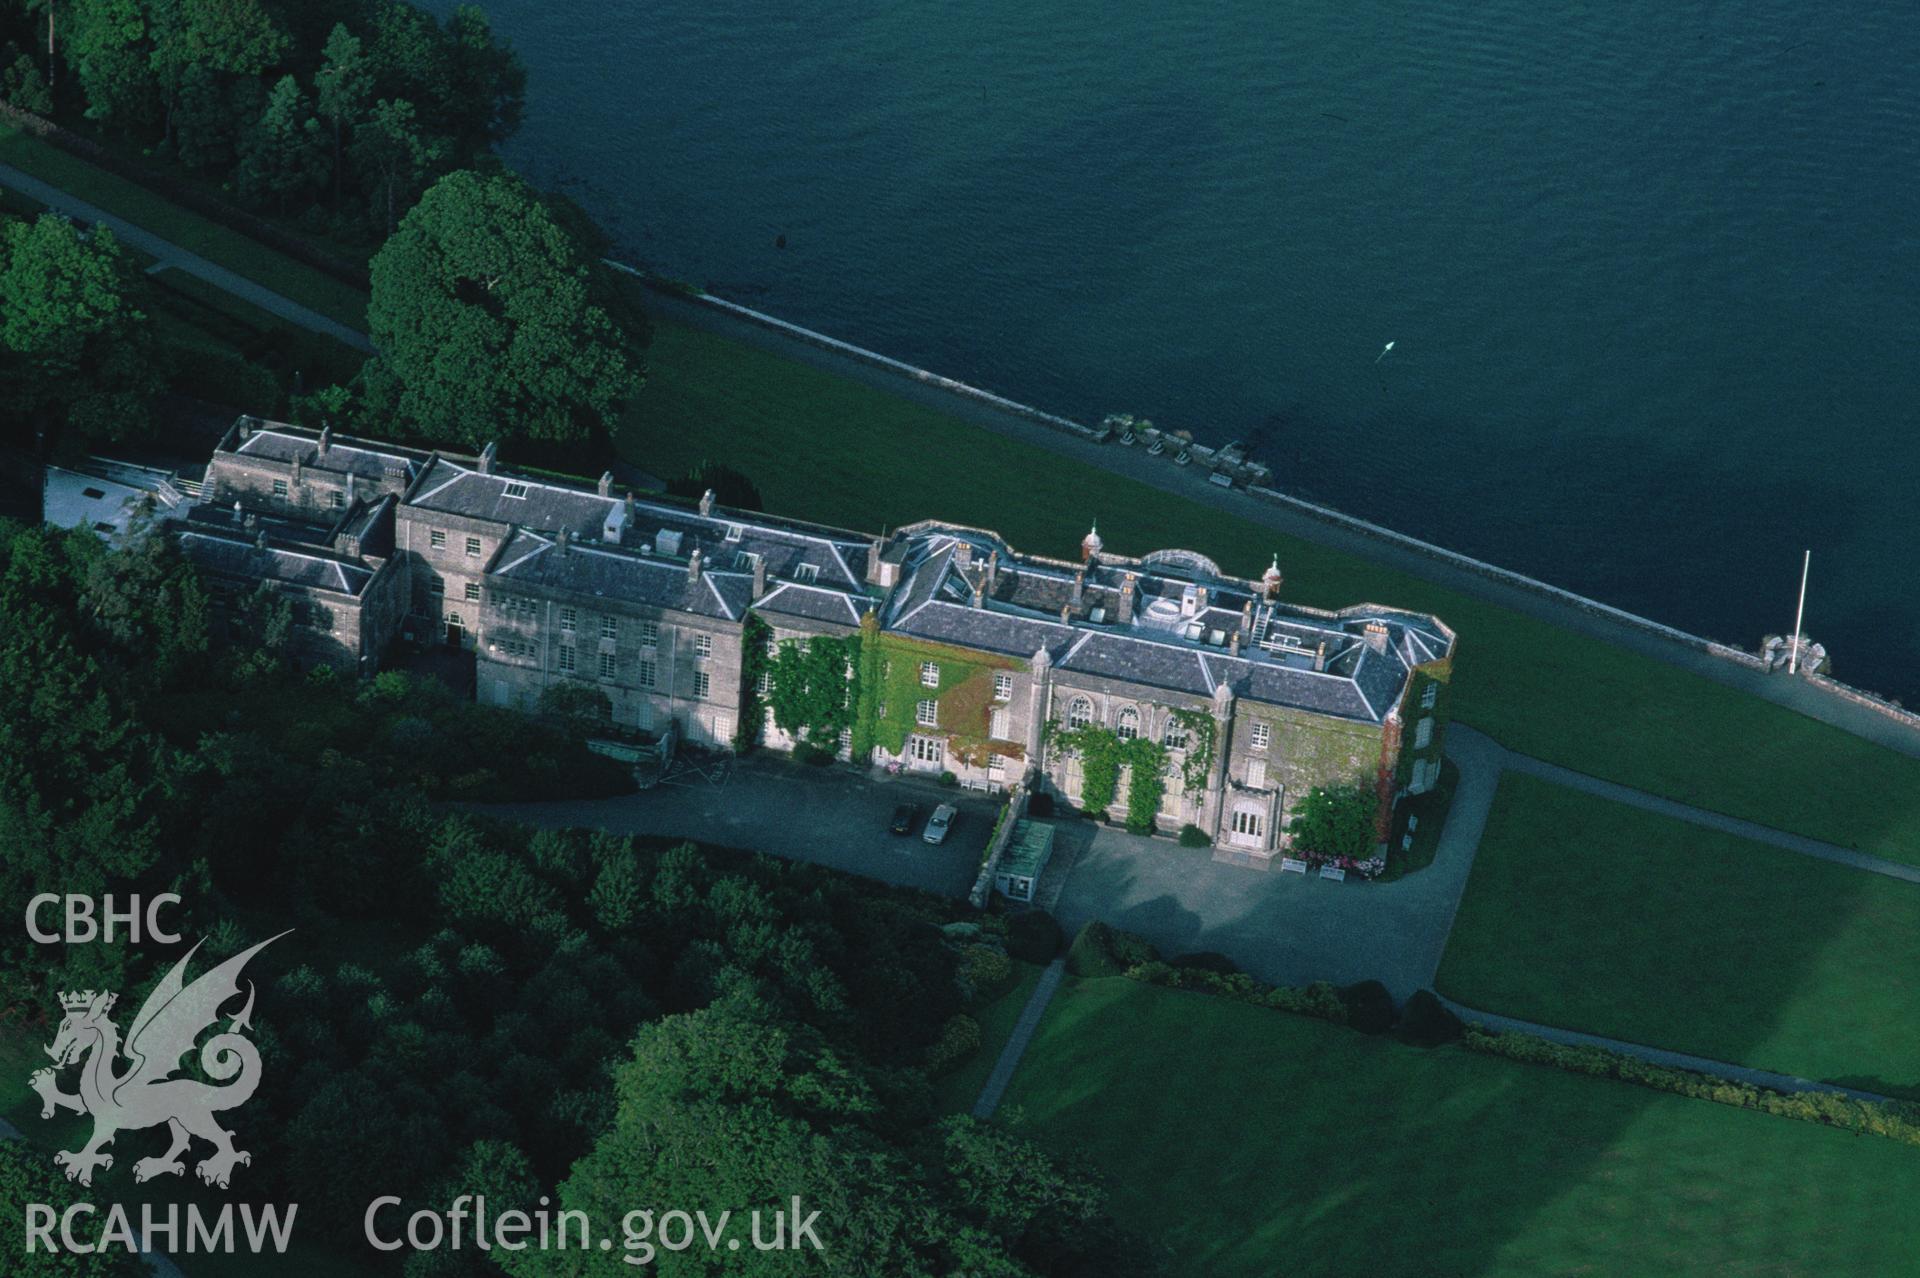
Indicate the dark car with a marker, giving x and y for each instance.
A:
(903, 818)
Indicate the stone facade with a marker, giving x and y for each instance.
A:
(975, 658)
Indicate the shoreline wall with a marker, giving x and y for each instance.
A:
(1321, 514)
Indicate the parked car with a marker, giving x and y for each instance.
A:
(903, 818)
(940, 823)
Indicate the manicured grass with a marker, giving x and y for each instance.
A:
(311, 288)
(828, 448)
(1588, 915)
(1251, 1142)
(957, 1089)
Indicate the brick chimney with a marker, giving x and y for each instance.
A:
(693, 565)
(1376, 635)
(980, 592)
(759, 575)
(706, 503)
(1320, 656)
(993, 570)
(1126, 599)
(353, 489)
(627, 530)
(1246, 618)
(606, 483)
(297, 470)
(487, 455)
(326, 439)
(963, 555)
(1079, 585)
(1233, 644)
(1200, 600)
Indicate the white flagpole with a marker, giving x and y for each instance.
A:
(1793, 662)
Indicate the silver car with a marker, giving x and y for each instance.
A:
(940, 823)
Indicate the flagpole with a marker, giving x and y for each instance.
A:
(1799, 613)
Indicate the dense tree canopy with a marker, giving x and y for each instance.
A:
(73, 333)
(483, 322)
(203, 82)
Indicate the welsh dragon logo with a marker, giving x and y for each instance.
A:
(145, 1094)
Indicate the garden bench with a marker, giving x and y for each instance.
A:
(1288, 863)
(1333, 872)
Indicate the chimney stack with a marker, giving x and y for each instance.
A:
(759, 575)
(706, 503)
(297, 469)
(1246, 618)
(980, 592)
(1201, 600)
(326, 439)
(1079, 584)
(1376, 634)
(1126, 599)
(963, 555)
(1066, 614)
(564, 540)
(627, 531)
(246, 429)
(993, 570)
(1233, 644)
(606, 483)
(1320, 656)
(693, 565)
(487, 455)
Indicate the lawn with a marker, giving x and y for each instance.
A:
(828, 448)
(151, 212)
(1252, 1142)
(956, 1090)
(1589, 915)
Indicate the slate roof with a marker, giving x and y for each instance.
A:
(1021, 615)
(792, 550)
(240, 555)
(358, 457)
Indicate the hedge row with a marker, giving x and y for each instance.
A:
(1320, 999)
(1898, 1120)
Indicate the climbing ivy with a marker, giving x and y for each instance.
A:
(964, 693)
(755, 637)
(813, 687)
(1102, 754)
(1199, 727)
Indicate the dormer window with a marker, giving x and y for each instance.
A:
(517, 491)
(735, 532)
(807, 572)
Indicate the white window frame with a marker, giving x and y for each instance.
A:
(436, 538)
(1423, 733)
(473, 547)
(1079, 713)
(702, 646)
(1429, 696)
(806, 573)
(702, 684)
(564, 661)
(649, 634)
(517, 491)
(926, 714)
(1002, 686)
(569, 618)
(1000, 724)
(609, 627)
(929, 674)
(609, 665)
(1260, 735)
(472, 592)
(1127, 726)
(927, 749)
(1248, 826)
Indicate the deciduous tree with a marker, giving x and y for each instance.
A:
(480, 314)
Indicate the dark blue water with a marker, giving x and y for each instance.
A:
(1650, 268)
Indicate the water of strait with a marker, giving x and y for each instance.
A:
(1650, 268)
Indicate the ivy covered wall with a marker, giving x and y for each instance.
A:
(813, 684)
(964, 693)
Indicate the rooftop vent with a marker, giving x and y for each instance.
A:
(668, 542)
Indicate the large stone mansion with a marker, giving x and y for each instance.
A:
(976, 659)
